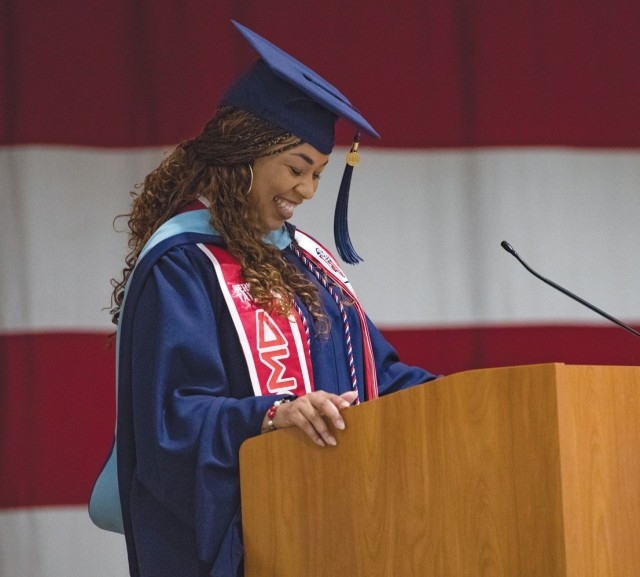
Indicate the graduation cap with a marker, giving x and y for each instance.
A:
(282, 90)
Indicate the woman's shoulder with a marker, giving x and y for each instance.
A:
(178, 258)
(178, 247)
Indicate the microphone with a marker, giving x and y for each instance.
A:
(506, 246)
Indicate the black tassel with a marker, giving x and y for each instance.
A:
(340, 219)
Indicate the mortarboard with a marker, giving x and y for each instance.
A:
(282, 90)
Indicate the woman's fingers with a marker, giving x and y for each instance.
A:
(349, 397)
(311, 422)
(308, 413)
(312, 412)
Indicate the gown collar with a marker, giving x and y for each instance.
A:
(198, 221)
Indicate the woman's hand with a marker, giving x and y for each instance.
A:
(312, 411)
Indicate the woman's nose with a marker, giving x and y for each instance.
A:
(306, 189)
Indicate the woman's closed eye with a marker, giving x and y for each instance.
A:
(297, 172)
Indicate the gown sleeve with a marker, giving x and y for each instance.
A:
(192, 405)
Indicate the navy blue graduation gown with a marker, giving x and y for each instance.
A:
(185, 405)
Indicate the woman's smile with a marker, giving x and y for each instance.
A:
(282, 182)
(285, 207)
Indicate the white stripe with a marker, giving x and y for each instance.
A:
(428, 224)
(58, 542)
(58, 248)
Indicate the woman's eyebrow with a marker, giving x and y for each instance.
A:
(306, 158)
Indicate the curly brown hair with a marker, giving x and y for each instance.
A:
(216, 165)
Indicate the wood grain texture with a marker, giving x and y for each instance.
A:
(477, 474)
(599, 410)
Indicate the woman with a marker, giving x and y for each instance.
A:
(234, 323)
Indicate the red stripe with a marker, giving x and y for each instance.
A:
(427, 74)
(451, 350)
(57, 416)
(58, 397)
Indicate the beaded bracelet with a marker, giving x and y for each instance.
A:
(271, 413)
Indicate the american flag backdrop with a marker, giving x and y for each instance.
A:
(499, 120)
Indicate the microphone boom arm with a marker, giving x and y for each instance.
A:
(506, 246)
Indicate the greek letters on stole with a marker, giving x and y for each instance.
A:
(275, 348)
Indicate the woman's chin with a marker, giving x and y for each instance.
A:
(274, 225)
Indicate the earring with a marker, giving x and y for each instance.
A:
(251, 183)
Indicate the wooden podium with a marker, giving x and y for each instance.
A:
(526, 471)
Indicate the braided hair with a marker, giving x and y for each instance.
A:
(216, 165)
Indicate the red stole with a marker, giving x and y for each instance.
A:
(323, 259)
(275, 348)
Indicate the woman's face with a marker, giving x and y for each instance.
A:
(281, 182)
